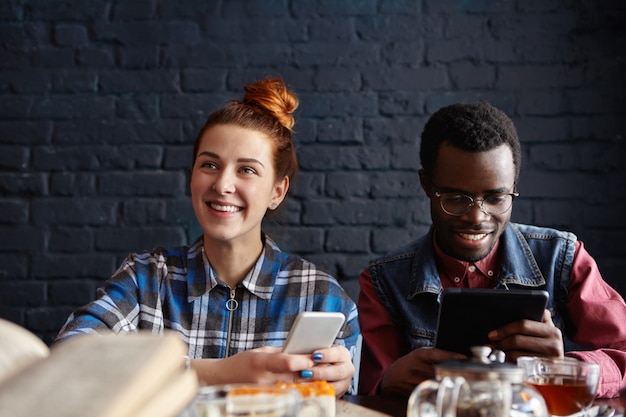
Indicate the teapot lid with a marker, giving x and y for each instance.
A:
(487, 364)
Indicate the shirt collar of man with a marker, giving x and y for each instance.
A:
(451, 268)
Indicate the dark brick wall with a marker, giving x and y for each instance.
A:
(100, 101)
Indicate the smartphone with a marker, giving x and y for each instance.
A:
(313, 330)
(467, 315)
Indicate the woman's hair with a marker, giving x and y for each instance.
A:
(472, 127)
(266, 107)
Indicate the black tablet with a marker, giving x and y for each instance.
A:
(467, 315)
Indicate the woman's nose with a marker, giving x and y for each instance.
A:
(224, 183)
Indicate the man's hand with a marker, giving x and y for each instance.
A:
(529, 338)
(406, 373)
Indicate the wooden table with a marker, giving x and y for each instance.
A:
(371, 406)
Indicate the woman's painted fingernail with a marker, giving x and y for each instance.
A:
(318, 356)
(306, 374)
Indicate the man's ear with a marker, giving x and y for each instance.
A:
(425, 182)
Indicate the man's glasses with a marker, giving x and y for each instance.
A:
(456, 204)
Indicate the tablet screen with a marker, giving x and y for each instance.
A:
(467, 315)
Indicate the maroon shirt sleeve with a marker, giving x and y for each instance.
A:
(382, 339)
(598, 315)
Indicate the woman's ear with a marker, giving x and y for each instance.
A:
(279, 192)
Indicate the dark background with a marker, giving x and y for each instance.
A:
(100, 101)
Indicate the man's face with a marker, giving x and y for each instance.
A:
(471, 236)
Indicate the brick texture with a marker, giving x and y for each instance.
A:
(101, 100)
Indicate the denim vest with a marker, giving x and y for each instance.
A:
(407, 280)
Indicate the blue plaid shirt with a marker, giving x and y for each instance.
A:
(177, 289)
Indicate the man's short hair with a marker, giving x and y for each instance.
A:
(472, 127)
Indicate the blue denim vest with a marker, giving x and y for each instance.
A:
(407, 280)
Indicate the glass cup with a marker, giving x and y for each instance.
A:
(567, 385)
(257, 400)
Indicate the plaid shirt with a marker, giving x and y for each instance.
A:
(177, 289)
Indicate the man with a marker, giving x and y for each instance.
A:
(470, 155)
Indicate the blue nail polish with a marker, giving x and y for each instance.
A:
(318, 356)
(306, 374)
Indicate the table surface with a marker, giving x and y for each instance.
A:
(393, 406)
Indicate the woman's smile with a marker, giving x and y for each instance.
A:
(225, 207)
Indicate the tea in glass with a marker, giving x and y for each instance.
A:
(567, 385)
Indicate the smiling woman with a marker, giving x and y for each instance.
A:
(233, 184)
(223, 294)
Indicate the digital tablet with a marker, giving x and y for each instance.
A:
(467, 315)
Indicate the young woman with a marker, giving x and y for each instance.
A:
(232, 295)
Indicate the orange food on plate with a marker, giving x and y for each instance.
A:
(266, 401)
(251, 390)
(308, 389)
(320, 392)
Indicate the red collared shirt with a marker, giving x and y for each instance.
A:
(463, 274)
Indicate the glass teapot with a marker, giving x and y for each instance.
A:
(484, 386)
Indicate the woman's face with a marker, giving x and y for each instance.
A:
(233, 183)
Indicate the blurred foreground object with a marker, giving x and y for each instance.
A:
(18, 348)
(138, 375)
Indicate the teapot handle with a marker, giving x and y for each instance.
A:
(445, 394)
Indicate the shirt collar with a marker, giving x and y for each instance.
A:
(450, 267)
(201, 277)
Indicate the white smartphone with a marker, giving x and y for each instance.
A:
(313, 330)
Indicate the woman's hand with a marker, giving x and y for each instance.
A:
(268, 365)
(334, 365)
(265, 365)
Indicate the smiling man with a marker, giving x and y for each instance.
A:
(470, 155)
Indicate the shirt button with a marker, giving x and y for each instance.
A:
(472, 268)
(490, 273)
(457, 279)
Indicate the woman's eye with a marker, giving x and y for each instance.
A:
(248, 170)
(208, 164)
